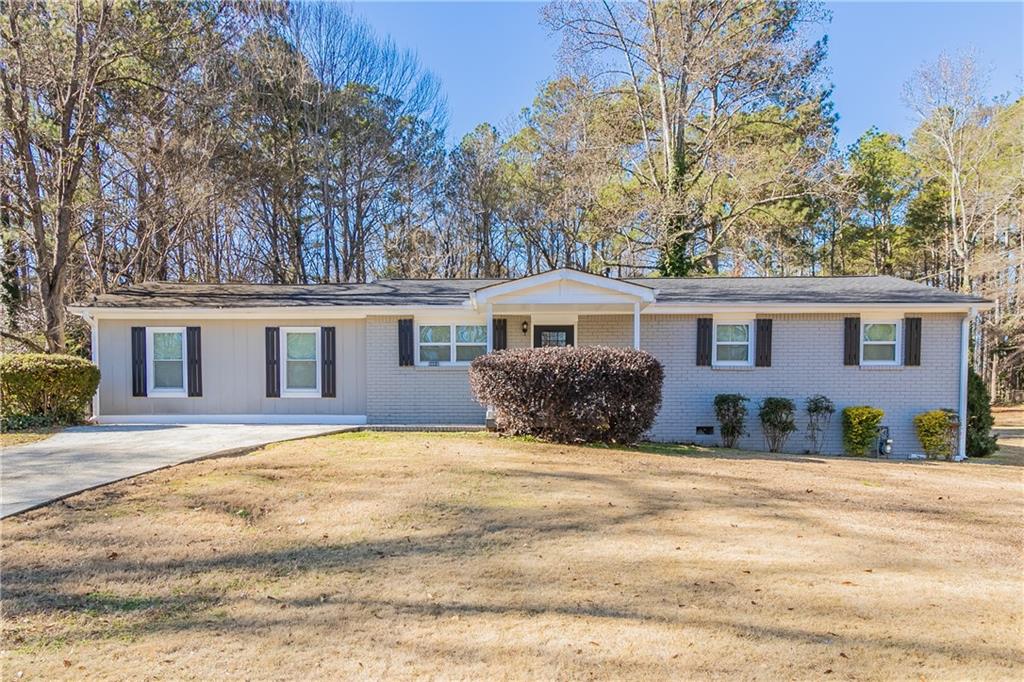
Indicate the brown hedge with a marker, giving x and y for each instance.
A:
(588, 394)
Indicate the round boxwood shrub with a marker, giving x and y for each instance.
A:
(937, 431)
(46, 388)
(731, 412)
(860, 429)
(588, 394)
(778, 420)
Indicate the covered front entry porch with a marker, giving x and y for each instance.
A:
(545, 310)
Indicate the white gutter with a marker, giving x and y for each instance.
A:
(294, 312)
(808, 308)
(358, 312)
(965, 332)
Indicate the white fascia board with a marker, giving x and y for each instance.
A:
(359, 312)
(644, 293)
(808, 308)
(263, 312)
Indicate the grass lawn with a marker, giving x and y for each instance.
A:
(469, 556)
(1010, 427)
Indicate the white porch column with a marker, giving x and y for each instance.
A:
(94, 348)
(490, 327)
(965, 330)
(636, 325)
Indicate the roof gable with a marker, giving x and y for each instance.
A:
(563, 286)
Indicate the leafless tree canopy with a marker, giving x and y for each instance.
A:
(221, 141)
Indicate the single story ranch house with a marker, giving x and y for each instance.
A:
(398, 351)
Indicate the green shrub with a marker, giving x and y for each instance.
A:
(588, 394)
(980, 441)
(20, 422)
(778, 420)
(937, 431)
(731, 412)
(860, 429)
(819, 415)
(48, 388)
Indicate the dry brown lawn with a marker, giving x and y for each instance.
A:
(1009, 415)
(467, 556)
(1010, 428)
(11, 438)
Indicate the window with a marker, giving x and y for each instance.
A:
(446, 344)
(733, 344)
(301, 366)
(879, 343)
(554, 338)
(167, 359)
(435, 343)
(470, 341)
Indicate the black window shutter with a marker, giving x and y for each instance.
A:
(139, 362)
(500, 334)
(763, 339)
(194, 344)
(405, 344)
(912, 341)
(328, 356)
(704, 328)
(273, 362)
(851, 341)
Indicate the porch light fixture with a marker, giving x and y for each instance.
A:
(526, 327)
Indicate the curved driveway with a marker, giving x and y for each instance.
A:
(84, 457)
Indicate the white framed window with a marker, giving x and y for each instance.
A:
(470, 341)
(167, 357)
(300, 362)
(450, 344)
(733, 343)
(880, 342)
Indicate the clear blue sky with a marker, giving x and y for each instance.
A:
(491, 56)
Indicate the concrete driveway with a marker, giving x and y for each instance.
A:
(84, 457)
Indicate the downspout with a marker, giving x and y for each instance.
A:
(965, 330)
(94, 350)
(636, 325)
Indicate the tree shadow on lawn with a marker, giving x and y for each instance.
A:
(198, 592)
(208, 610)
(714, 452)
(479, 531)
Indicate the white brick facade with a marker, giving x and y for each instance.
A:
(807, 358)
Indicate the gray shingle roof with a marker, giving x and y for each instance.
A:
(875, 289)
(777, 290)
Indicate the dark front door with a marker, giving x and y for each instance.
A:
(552, 335)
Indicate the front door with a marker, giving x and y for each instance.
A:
(552, 335)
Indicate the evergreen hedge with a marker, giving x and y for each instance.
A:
(40, 388)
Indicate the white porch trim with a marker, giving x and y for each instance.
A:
(615, 288)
